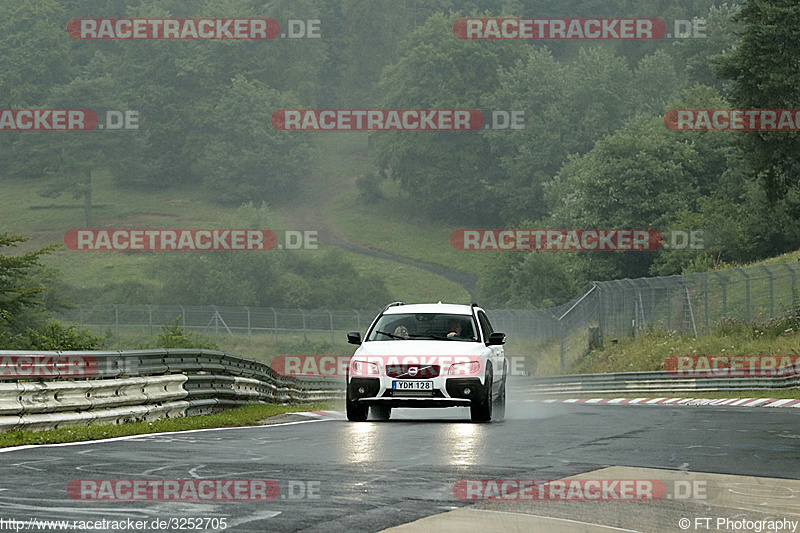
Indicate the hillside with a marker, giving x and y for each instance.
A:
(328, 203)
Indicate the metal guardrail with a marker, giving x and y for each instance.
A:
(44, 390)
(652, 383)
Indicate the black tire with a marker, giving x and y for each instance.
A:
(355, 411)
(481, 411)
(500, 403)
(381, 412)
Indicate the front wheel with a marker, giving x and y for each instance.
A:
(481, 411)
(355, 411)
(500, 403)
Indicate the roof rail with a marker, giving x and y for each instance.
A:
(393, 304)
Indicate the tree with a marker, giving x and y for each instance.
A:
(642, 176)
(453, 175)
(245, 158)
(568, 106)
(20, 291)
(763, 68)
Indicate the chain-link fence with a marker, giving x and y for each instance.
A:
(692, 303)
(216, 320)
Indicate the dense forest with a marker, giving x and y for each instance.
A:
(594, 152)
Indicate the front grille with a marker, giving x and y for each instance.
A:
(402, 371)
(412, 393)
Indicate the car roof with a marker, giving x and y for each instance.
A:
(451, 309)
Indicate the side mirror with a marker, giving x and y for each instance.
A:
(496, 339)
(354, 337)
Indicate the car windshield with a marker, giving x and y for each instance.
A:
(415, 326)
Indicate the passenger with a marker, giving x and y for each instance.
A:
(401, 331)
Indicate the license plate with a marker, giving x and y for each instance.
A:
(412, 385)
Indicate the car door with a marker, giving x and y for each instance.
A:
(497, 354)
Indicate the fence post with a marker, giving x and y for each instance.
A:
(303, 313)
(249, 332)
(706, 317)
(331, 317)
(116, 318)
(602, 319)
(771, 290)
(748, 310)
(275, 329)
(724, 284)
(793, 273)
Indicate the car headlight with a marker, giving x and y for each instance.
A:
(365, 368)
(467, 368)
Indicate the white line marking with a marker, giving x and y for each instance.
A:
(146, 435)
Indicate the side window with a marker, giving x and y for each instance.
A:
(485, 325)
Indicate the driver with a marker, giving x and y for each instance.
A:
(454, 327)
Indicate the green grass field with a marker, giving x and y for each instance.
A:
(329, 192)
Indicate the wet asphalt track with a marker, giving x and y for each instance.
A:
(376, 475)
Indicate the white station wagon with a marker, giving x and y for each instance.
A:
(428, 355)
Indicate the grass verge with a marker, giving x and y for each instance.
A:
(248, 415)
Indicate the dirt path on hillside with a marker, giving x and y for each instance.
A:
(305, 213)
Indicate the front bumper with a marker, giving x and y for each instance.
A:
(446, 392)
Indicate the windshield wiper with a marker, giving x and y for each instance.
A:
(431, 336)
(392, 335)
